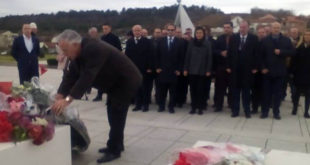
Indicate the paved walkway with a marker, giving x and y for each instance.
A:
(152, 137)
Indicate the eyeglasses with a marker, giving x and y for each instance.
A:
(171, 30)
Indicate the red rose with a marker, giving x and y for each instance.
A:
(35, 131)
(16, 99)
(3, 116)
(15, 117)
(6, 128)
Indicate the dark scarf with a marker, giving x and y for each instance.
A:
(199, 43)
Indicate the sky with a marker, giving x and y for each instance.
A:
(21, 7)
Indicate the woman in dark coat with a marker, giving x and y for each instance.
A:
(198, 65)
(301, 72)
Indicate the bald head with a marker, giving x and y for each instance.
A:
(275, 28)
(137, 31)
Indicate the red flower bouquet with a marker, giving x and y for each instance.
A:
(6, 128)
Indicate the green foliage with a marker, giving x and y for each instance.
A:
(120, 21)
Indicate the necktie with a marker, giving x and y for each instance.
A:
(169, 42)
(242, 42)
(136, 40)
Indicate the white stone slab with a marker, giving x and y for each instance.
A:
(275, 157)
(57, 151)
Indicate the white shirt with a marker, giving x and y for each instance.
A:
(28, 43)
(137, 39)
(170, 39)
(243, 37)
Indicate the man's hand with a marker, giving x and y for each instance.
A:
(178, 73)
(224, 53)
(59, 96)
(228, 70)
(59, 106)
(185, 73)
(277, 51)
(254, 71)
(158, 70)
(265, 71)
(149, 71)
(208, 74)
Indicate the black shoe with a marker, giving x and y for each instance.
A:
(248, 116)
(106, 149)
(200, 111)
(306, 115)
(294, 111)
(145, 109)
(218, 110)
(234, 115)
(136, 109)
(107, 157)
(193, 111)
(97, 98)
(263, 116)
(277, 117)
(171, 110)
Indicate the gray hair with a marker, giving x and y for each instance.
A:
(70, 36)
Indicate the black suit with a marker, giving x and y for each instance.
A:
(273, 80)
(140, 53)
(114, 41)
(169, 61)
(27, 62)
(242, 60)
(182, 85)
(222, 78)
(104, 67)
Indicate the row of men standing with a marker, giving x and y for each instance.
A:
(243, 66)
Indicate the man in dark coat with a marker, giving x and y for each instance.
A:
(275, 49)
(113, 40)
(168, 66)
(222, 78)
(257, 87)
(104, 67)
(242, 65)
(139, 50)
(25, 50)
(301, 71)
(182, 85)
(157, 34)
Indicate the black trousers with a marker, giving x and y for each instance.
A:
(27, 72)
(296, 96)
(208, 87)
(143, 96)
(245, 93)
(117, 120)
(272, 87)
(182, 89)
(149, 78)
(163, 91)
(257, 91)
(222, 83)
(198, 91)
